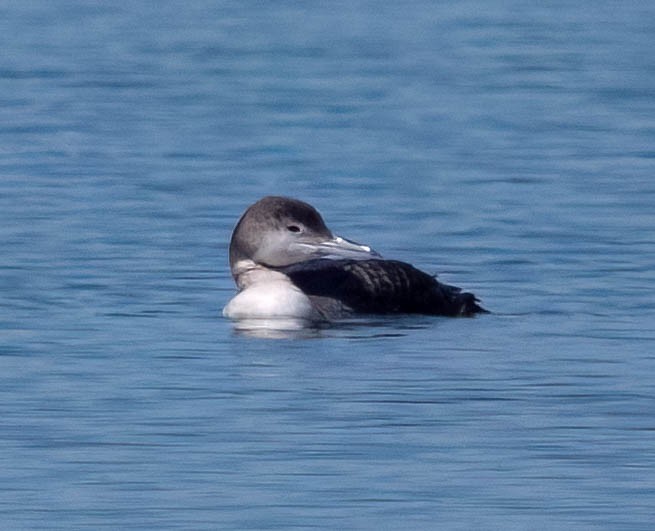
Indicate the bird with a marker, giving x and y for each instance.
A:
(286, 263)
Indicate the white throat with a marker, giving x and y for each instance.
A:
(265, 294)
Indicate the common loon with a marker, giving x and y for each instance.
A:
(288, 264)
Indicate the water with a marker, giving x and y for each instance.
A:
(507, 147)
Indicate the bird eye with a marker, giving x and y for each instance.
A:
(293, 228)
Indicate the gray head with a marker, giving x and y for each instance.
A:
(280, 231)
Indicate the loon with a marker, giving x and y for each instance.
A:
(288, 264)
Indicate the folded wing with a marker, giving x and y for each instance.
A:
(378, 286)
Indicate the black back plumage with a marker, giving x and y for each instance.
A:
(378, 286)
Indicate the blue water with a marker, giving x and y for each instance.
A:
(509, 148)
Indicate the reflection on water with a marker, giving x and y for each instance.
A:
(278, 328)
(366, 326)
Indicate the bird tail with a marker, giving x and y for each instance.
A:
(468, 305)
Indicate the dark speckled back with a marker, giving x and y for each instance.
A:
(378, 286)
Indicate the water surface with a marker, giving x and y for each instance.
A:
(507, 148)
